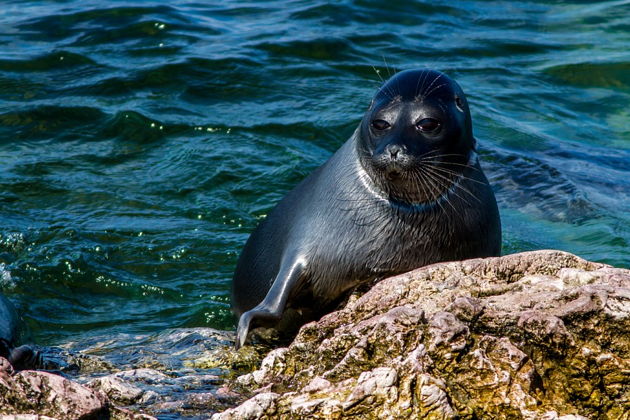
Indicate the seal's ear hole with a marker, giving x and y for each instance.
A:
(459, 103)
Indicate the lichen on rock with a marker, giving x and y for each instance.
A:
(534, 335)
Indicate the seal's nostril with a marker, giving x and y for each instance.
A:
(394, 150)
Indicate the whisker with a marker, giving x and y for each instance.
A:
(446, 198)
(432, 193)
(424, 79)
(431, 180)
(456, 185)
(436, 164)
(432, 83)
(415, 92)
(434, 89)
(386, 66)
(388, 89)
(378, 74)
(417, 180)
(455, 174)
(430, 154)
(465, 165)
(446, 154)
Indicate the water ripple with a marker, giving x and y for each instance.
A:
(140, 144)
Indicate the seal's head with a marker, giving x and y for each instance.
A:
(416, 138)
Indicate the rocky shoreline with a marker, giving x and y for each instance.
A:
(535, 335)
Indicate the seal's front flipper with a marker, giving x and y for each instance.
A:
(272, 307)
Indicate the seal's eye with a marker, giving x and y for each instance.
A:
(428, 125)
(380, 125)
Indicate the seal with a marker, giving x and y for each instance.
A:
(22, 357)
(406, 190)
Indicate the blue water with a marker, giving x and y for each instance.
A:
(140, 143)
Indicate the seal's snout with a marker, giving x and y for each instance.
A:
(394, 152)
(393, 161)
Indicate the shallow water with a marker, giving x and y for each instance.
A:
(141, 143)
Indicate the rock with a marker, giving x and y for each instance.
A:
(261, 405)
(174, 373)
(130, 386)
(536, 335)
(43, 393)
(117, 389)
(6, 369)
(118, 413)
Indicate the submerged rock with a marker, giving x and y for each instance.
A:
(526, 336)
(154, 374)
(120, 390)
(175, 373)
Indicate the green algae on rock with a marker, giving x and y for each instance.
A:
(540, 334)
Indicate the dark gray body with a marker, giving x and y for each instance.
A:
(344, 225)
(348, 234)
(22, 357)
(8, 322)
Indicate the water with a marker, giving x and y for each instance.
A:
(141, 143)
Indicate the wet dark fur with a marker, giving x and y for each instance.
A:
(22, 357)
(386, 202)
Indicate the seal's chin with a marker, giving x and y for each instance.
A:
(393, 172)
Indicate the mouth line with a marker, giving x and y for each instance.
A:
(393, 171)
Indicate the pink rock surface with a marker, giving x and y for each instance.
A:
(534, 335)
(47, 394)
